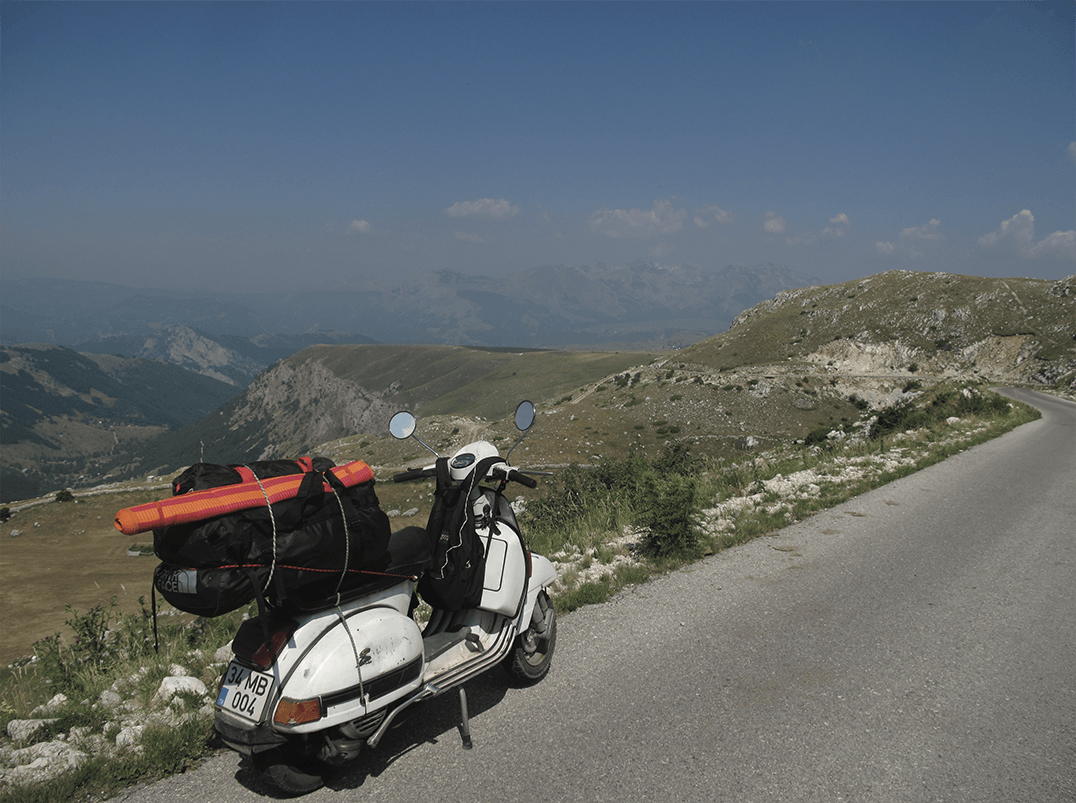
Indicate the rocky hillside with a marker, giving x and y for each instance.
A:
(331, 392)
(904, 323)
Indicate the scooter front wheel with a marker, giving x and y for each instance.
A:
(288, 770)
(532, 653)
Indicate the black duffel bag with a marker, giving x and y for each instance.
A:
(306, 552)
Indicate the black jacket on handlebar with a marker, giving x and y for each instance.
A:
(458, 566)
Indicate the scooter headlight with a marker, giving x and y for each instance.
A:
(298, 712)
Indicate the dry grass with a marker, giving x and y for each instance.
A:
(69, 553)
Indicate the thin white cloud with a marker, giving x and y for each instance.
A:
(1019, 230)
(663, 218)
(838, 226)
(1060, 243)
(467, 237)
(913, 242)
(1016, 237)
(487, 208)
(706, 215)
(775, 224)
(1071, 151)
(361, 226)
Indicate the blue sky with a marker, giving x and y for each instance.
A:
(279, 145)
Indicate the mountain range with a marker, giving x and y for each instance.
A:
(807, 358)
(868, 336)
(64, 414)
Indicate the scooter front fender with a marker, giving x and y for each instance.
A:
(543, 575)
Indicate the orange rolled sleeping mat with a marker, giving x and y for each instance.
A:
(199, 505)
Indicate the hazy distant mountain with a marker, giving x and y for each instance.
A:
(229, 358)
(642, 305)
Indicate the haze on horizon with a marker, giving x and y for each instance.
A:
(273, 146)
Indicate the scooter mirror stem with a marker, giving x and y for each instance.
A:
(415, 437)
(524, 421)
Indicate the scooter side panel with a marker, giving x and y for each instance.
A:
(506, 570)
(354, 665)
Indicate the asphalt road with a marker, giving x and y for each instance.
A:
(915, 644)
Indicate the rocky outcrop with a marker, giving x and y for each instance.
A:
(306, 403)
(25, 758)
(182, 346)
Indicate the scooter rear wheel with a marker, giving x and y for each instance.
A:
(288, 771)
(532, 653)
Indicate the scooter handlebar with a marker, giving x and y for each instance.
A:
(414, 474)
(522, 479)
(515, 476)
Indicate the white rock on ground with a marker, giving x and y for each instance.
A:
(39, 762)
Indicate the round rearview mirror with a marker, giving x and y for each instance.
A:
(524, 416)
(402, 425)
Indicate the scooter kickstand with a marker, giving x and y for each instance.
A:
(465, 724)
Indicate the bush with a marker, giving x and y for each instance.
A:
(899, 417)
(676, 458)
(100, 639)
(668, 510)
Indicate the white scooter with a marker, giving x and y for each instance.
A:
(305, 692)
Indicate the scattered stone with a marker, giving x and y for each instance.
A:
(51, 707)
(42, 761)
(171, 685)
(19, 730)
(129, 737)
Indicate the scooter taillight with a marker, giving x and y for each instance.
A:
(266, 654)
(296, 712)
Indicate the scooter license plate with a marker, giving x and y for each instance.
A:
(245, 692)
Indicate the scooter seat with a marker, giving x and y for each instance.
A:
(409, 551)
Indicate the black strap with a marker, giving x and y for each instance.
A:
(153, 606)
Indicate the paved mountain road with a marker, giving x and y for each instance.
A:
(917, 643)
